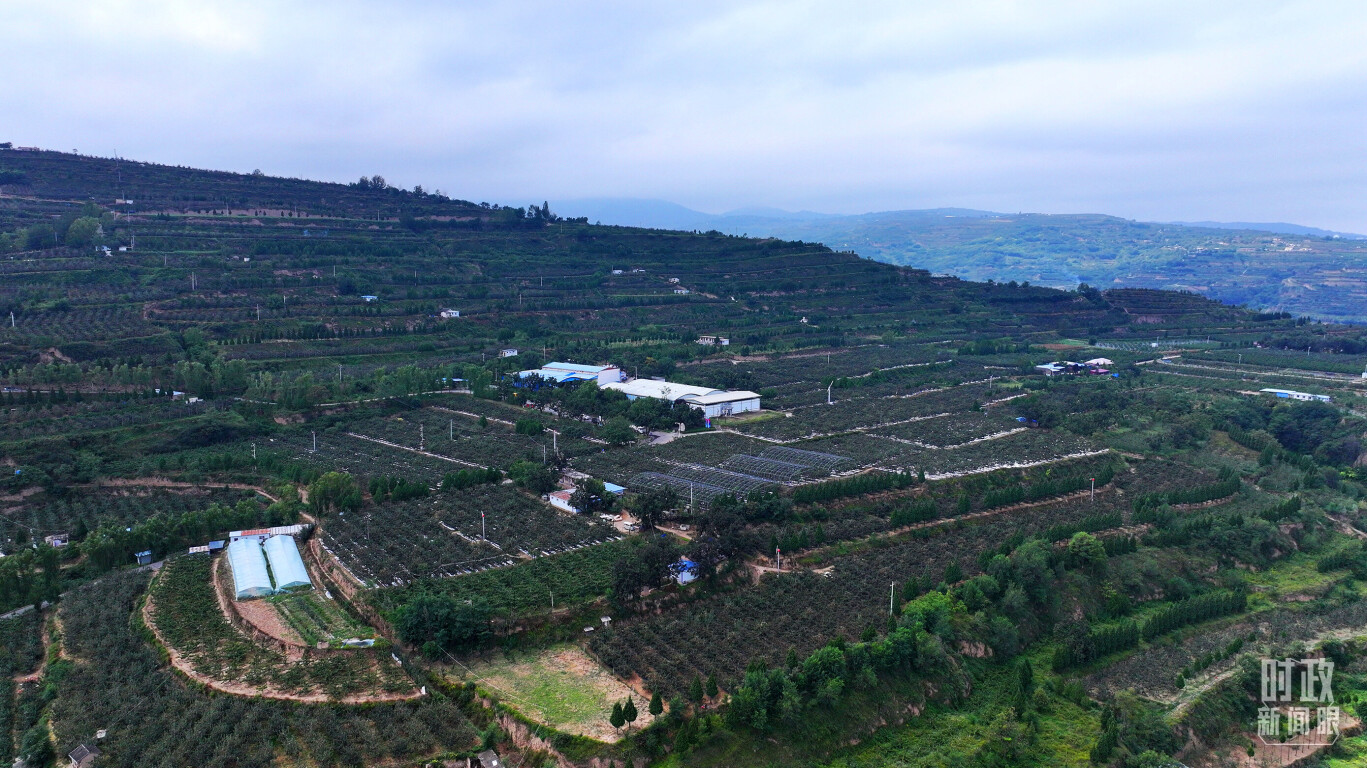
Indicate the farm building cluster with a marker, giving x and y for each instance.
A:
(564, 372)
(1096, 366)
(266, 561)
(1291, 394)
(712, 402)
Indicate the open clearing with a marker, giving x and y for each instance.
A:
(560, 686)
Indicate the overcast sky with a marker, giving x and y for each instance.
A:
(1248, 110)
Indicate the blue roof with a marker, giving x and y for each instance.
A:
(146, 553)
(613, 488)
(559, 376)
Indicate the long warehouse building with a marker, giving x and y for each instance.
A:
(712, 402)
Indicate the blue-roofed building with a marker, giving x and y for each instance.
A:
(685, 571)
(250, 577)
(563, 372)
(614, 488)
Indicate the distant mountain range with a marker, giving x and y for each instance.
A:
(662, 214)
(1273, 266)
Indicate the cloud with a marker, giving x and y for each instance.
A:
(1157, 109)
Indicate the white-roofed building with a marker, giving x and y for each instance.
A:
(725, 403)
(712, 402)
(1292, 394)
(250, 577)
(286, 565)
(660, 390)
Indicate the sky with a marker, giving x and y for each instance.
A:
(1153, 110)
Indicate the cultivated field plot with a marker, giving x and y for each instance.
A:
(709, 448)
(447, 433)
(394, 543)
(948, 431)
(318, 619)
(560, 686)
(699, 485)
(770, 469)
(837, 362)
(858, 412)
(529, 587)
(341, 452)
(21, 424)
(1030, 447)
(123, 506)
(720, 634)
(619, 466)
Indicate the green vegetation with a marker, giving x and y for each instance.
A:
(951, 590)
(187, 615)
(319, 620)
(117, 674)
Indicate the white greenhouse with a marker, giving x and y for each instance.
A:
(250, 577)
(286, 565)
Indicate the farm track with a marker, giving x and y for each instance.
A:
(161, 482)
(1017, 465)
(927, 447)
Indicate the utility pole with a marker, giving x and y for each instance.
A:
(482, 535)
(892, 597)
(828, 394)
(778, 559)
(555, 442)
(11, 319)
(258, 313)
(1094, 490)
(192, 281)
(315, 442)
(451, 429)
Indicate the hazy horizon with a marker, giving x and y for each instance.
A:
(1148, 111)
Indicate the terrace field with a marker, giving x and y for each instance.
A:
(951, 589)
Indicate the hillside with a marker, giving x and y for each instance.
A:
(1310, 273)
(905, 543)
